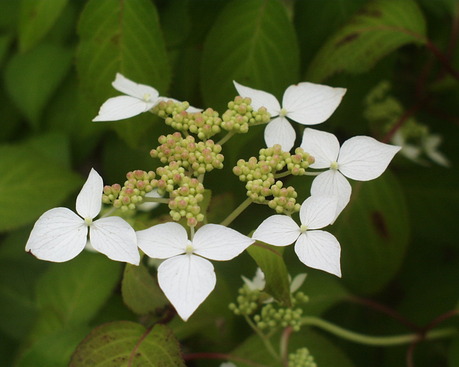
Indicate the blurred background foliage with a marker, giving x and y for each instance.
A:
(399, 235)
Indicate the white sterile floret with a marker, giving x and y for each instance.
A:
(315, 248)
(258, 282)
(187, 277)
(138, 98)
(305, 103)
(360, 158)
(60, 234)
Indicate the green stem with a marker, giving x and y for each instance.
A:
(236, 212)
(155, 200)
(225, 138)
(376, 340)
(263, 338)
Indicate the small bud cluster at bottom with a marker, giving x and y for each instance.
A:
(272, 318)
(240, 115)
(301, 358)
(262, 186)
(126, 198)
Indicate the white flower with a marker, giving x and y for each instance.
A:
(60, 234)
(258, 282)
(360, 158)
(305, 103)
(315, 248)
(186, 277)
(428, 145)
(139, 98)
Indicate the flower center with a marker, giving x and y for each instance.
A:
(189, 249)
(88, 221)
(283, 112)
(146, 97)
(334, 166)
(303, 228)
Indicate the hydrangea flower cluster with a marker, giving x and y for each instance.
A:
(187, 245)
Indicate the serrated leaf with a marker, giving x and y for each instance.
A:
(269, 260)
(32, 78)
(35, 19)
(32, 183)
(123, 343)
(378, 29)
(252, 42)
(140, 290)
(124, 37)
(75, 290)
(373, 231)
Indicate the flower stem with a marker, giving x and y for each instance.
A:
(263, 338)
(156, 200)
(225, 138)
(376, 340)
(236, 212)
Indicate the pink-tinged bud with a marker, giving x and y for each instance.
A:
(192, 222)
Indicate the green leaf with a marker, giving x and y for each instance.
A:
(373, 231)
(35, 19)
(453, 352)
(140, 290)
(125, 37)
(75, 290)
(269, 260)
(33, 181)
(252, 42)
(32, 78)
(379, 28)
(123, 344)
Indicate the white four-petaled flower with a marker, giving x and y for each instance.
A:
(305, 103)
(315, 248)
(360, 158)
(139, 98)
(60, 234)
(187, 277)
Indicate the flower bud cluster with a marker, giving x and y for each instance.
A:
(196, 157)
(260, 175)
(272, 318)
(186, 193)
(247, 301)
(126, 198)
(204, 124)
(301, 358)
(240, 115)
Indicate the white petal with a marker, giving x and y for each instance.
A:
(149, 205)
(279, 131)
(122, 107)
(257, 283)
(89, 200)
(318, 211)
(277, 230)
(310, 104)
(297, 282)
(319, 250)
(139, 91)
(333, 183)
(186, 280)
(58, 235)
(218, 242)
(115, 238)
(363, 158)
(431, 144)
(163, 240)
(259, 98)
(323, 146)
